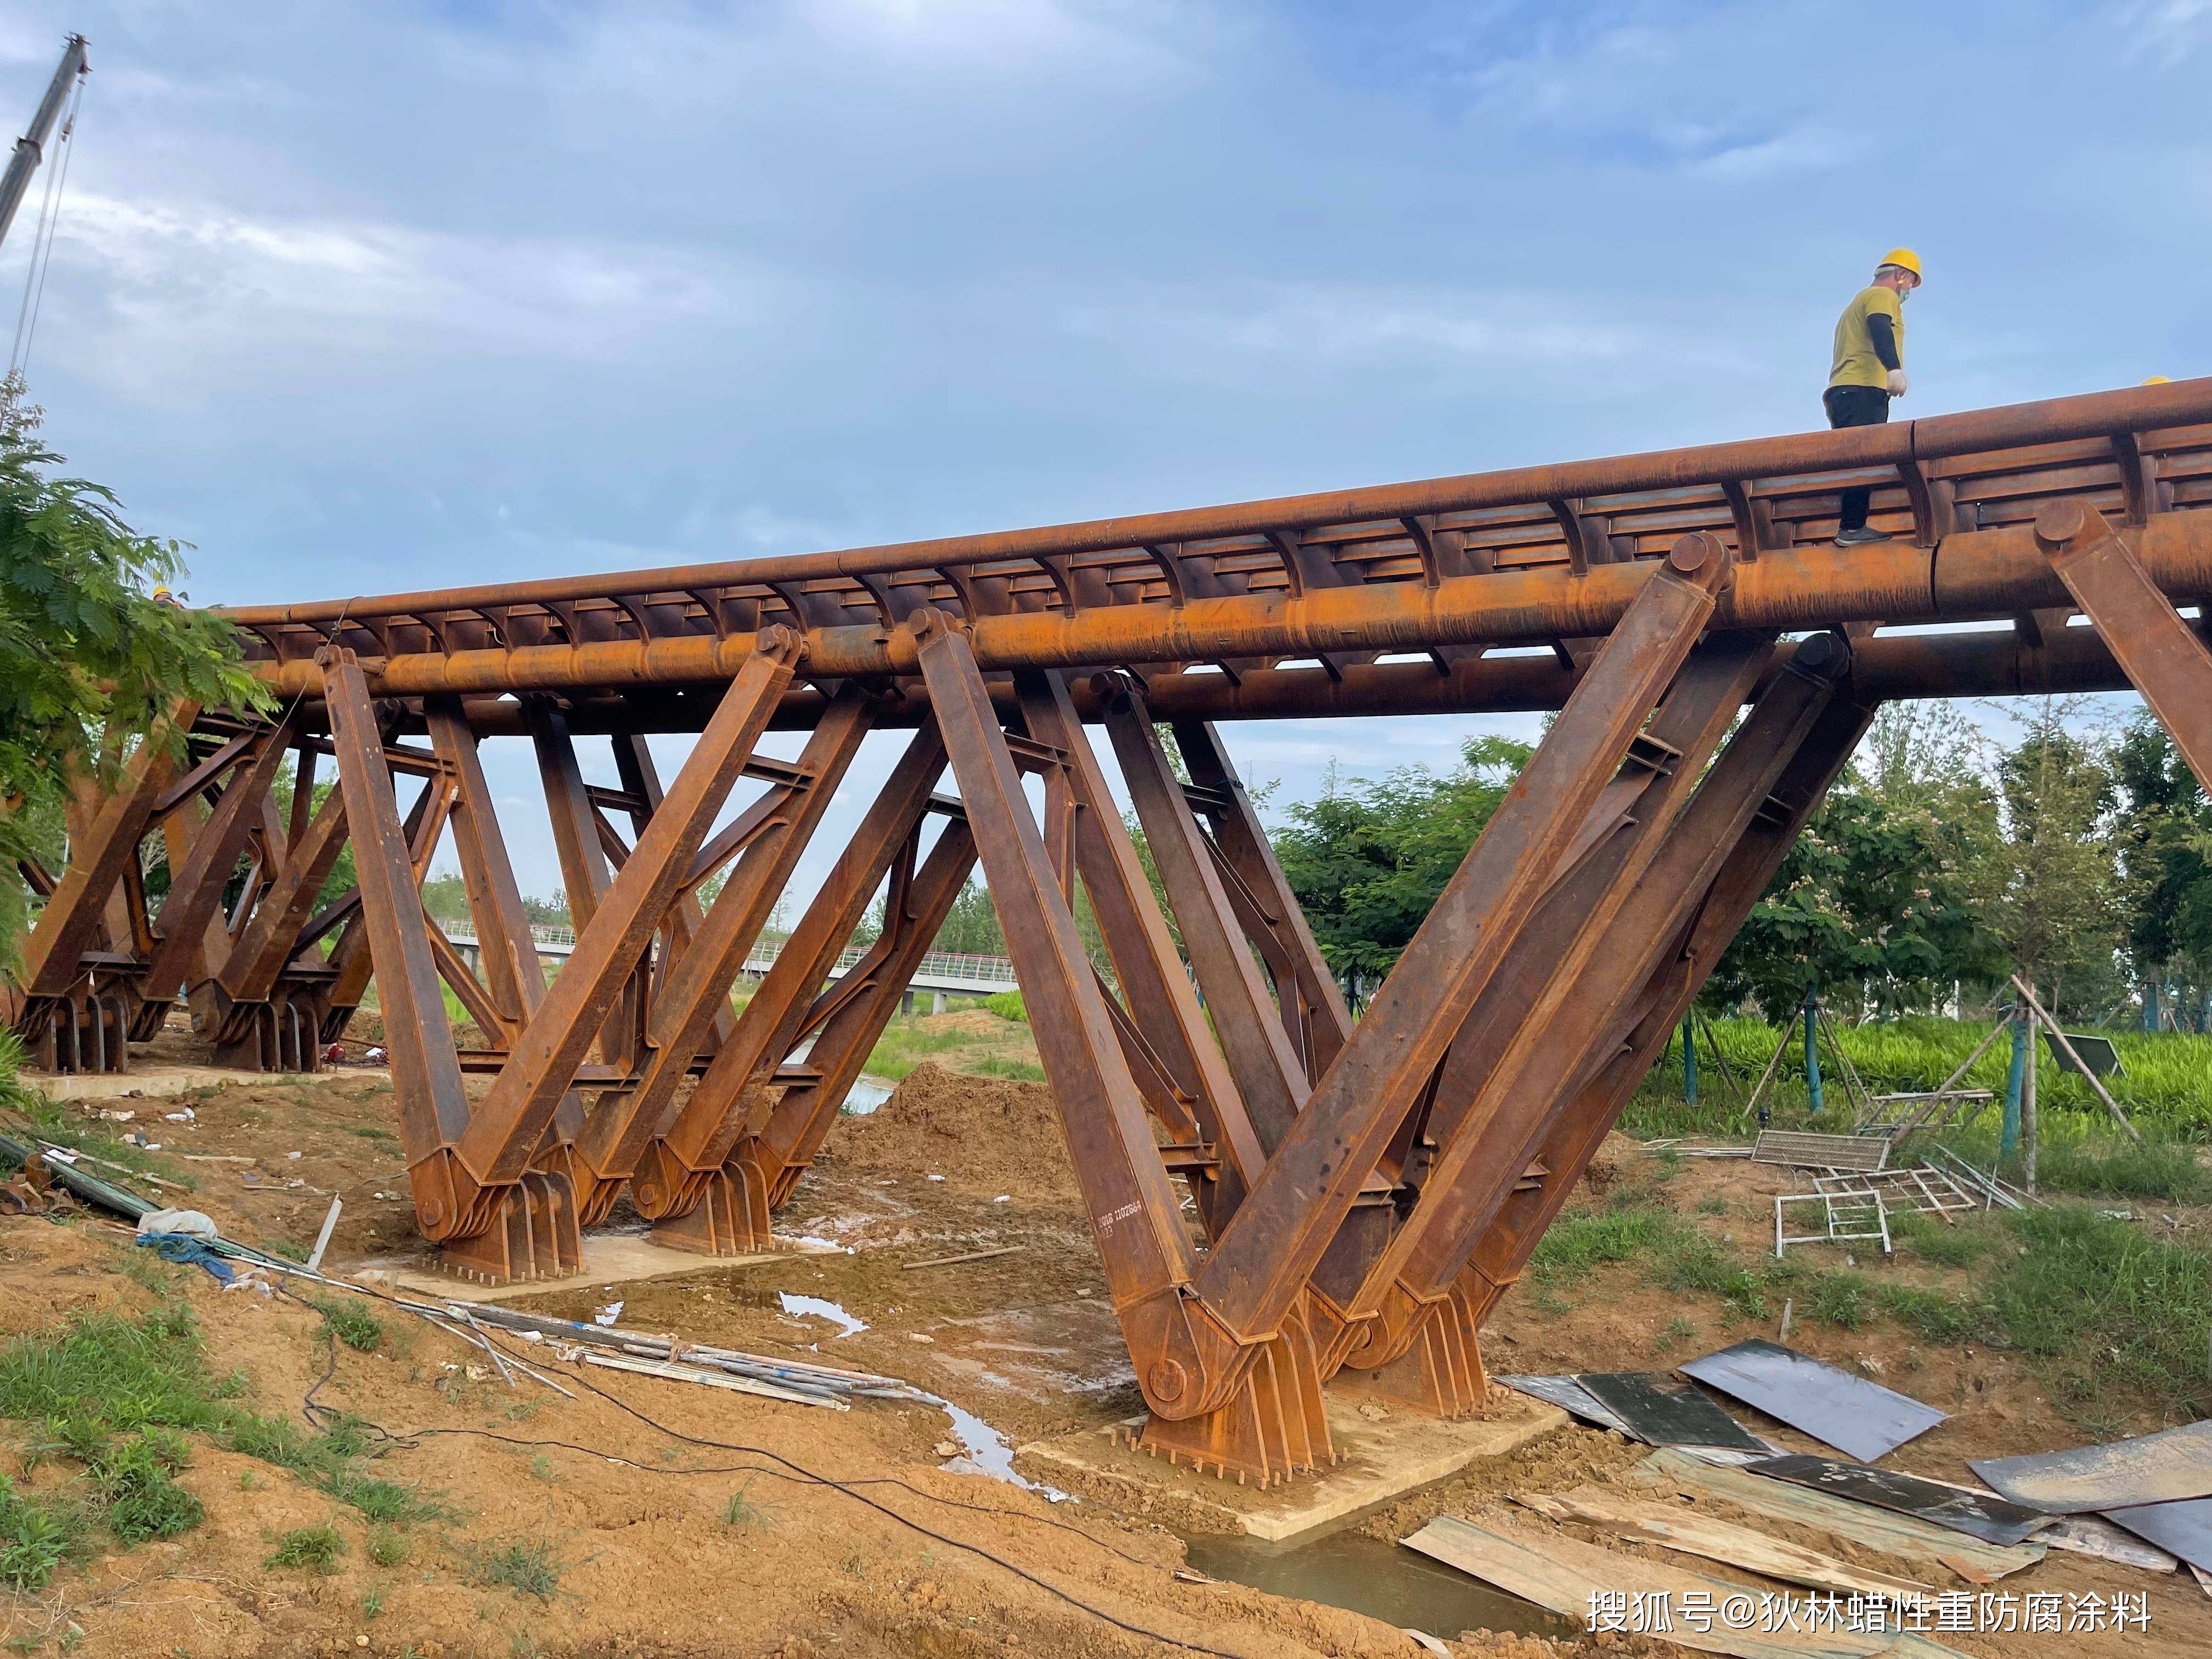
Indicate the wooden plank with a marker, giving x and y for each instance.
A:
(1563, 1574)
(951, 1260)
(1692, 1534)
(1899, 1535)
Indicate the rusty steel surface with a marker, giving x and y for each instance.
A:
(1360, 1191)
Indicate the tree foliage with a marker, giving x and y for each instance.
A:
(1367, 862)
(2166, 859)
(1879, 893)
(90, 662)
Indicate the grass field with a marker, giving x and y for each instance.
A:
(2166, 1086)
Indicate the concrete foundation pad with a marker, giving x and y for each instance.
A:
(154, 1082)
(1378, 1462)
(610, 1258)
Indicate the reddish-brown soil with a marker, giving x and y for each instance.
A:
(649, 1564)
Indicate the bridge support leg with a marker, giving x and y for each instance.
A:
(2163, 656)
(526, 1217)
(1701, 929)
(688, 1160)
(1500, 1083)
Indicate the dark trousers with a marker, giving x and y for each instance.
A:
(1855, 405)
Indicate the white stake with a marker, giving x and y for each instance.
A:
(323, 1238)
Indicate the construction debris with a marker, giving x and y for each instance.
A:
(1861, 1418)
(1716, 1541)
(1922, 1188)
(2151, 1468)
(1821, 1152)
(1846, 1217)
(2183, 1529)
(1577, 1579)
(1986, 1516)
(1905, 1537)
(1662, 1412)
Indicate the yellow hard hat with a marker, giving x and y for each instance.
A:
(1903, 259)
(2159, 379)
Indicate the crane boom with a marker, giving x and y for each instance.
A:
(30, 147)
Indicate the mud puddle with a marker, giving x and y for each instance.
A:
(1360, 1574)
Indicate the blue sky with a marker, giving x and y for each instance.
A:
(384, 296)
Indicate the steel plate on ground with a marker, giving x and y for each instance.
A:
(1990, 1519)
(1663, 1412)
(2151, 1468)
(2184, 1529)
(1860, 1419)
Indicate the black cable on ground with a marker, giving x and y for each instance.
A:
(798, 1474)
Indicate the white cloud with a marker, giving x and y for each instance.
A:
(1356, 325)
(211, 266)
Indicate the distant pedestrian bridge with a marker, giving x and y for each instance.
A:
(942, 973)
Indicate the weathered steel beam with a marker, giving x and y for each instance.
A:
(1308, 999)
(74, 912)
(503, 1132)
(195, 887)
(1267, 1067)
(1501, 1093)
(1968, 576)
(689, 1148)
(512, 972)
(1987, 663)
(1125, 1189)
(1264, 1258)
(1905, 443)
(697, 985)
(1164, 1023)
(1707, 917)
(433, 1107)
(2165, 658)
(1530, 1016)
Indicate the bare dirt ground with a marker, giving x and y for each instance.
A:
(647, 1555)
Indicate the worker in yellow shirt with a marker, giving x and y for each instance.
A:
(1870, 370)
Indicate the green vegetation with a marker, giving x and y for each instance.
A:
(1368, 860)
(2100, 1302)
(90, 663)
(1942, 862)
(1008, 1005)
(350, 1322)
(119, 1397)
(34, 1540)
(528, 1567)
(2167, 1086)
(1002, 1048)
(2112, 1318)
(743, 1512)
(316, 1549)
(110, 1393)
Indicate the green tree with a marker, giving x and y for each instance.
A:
(1872, 897)
(971, 927)
(2164, 837)
(2055, 894)
(90, 659)
(1368, 862)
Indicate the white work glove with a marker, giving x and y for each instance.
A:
(1896, 383)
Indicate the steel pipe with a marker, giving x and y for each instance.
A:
(1975, 574)
(2182, 403)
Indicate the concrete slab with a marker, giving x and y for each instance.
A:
(610, 1258)
(1378, 1464)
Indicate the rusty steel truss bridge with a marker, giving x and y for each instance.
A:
(1364, 1190)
